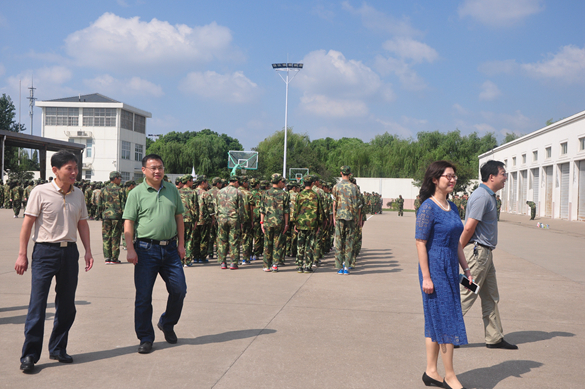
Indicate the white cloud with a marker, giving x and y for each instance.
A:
(323, 13)
(484, 128)
(497, 13)
(379, 21)
(49, 82)
(321, 105)
(122, 3)
(395, 128)
(107, 84)
(489, 91)
(116, 43)
(411, 49)
(567, 65)
(414, 121)
(460, 109)
(234, 88)
(409, 79)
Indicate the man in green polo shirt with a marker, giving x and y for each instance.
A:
(154, 212)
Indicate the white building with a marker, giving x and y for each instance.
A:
(114, 133)
(546, 166)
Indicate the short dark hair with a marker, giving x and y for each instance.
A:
(435, 170)
(62, 157)
(151, 156)
(490, 168)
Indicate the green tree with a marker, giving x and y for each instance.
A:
(7, 123)
(510, 136)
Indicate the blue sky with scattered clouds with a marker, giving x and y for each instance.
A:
(369, 67)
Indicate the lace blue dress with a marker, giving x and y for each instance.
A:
(442, 308)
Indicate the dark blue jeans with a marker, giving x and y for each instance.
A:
(153, 260)
(48, 262)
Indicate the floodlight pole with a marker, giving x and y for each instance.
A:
(286, 67)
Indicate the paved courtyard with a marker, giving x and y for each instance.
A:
(250, 329)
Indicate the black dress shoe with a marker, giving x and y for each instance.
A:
(62, 357)
(431, 381)
(145, 347)
(27, 365)
(446, 385)
(502, 344)
(170, 335)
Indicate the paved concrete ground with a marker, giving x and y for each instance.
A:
(250, 329)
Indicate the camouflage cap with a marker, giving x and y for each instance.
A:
(177, 180)
(234, 178)
(224, 182)
(264, 182)
(308, 179)
(243, 179)
(276, 178)
(203, 178)
(216, 180)
(186, 178)
(253, 181)
(345, 170)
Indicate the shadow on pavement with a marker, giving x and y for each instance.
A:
(20, 319)
(522, 337)
(205, 339)
(489, 377)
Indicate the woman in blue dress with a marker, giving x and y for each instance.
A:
(438, 228)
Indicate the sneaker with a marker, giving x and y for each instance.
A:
(345, 270)
(254, 258)
(234, 266)
(185, 265)
(309, 270)
(108, 261)
(223, 265)
(300, 270)
(266, 269)
(340, 271)
(251, 258)
(204, 261)
(275, 268)
(195, 260)
(281, 263)
(15, 216)
(115, 261)
(244, 262)
(124, 248)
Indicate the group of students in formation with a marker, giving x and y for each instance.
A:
(243, 219)
(15, 193)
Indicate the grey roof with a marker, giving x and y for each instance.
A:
(92, 98)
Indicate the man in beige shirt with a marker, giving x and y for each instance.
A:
(57, 210)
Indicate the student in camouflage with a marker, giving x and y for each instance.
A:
(346, 215)
(498, 205)
(247, 219)
(400, 202)
(16, 197)
(274, 214)
(7, 189)
(319, 234)
(310, 215)
(258, 237)
(26, 193)
(111, 201)
(532, 206)
(358, 228)
(204, 221)
(87, 196)
(230, 214)
(95, 197)
(216, 185)
(191, 205)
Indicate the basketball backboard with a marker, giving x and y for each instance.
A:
(297, 173)
(243, 160)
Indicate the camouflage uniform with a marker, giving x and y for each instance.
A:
(310, 215)
(291, 234)
(246, 222)
(191, 205)
(111, 202)
(230, 213)
(87, 196)
(359, 229)
(16, 198)
(26, 193)
(346, 206)
(319, 234)
(532, 206)
(400, 202)
(258, 237)
(95, 198)
(213, 229)
(7, 190)
(498, 206)
(275, 208)
(416, 205)
(201, 239)
(1, 195)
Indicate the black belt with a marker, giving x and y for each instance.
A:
(58, 244)
(482, 245)
(157, 242)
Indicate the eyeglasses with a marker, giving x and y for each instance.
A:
(449, 177)
(156, 168)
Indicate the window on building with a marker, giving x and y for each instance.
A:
(140, 124)
(535, 156)
(125, 150)
(127, 120)
(89, 148)
(99, 117)
(61, 116)
(582, 144)
(564, 148)
(548, 152)
(138, 149)
(138, 175)
(513, 161)
(523, 158)
(125, 176)
(88, 174)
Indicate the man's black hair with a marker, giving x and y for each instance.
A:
(61, 158)
(490, 168)
(152, 156)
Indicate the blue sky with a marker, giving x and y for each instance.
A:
(369, 67)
